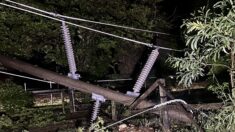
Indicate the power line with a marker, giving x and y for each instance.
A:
(85, 20)
(21, 76)
(90, 29)
(115, 80)
(119, 80)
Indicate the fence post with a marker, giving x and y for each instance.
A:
(114, 111)
(25, 86)
(62, 100)
(51, 93)
(164, 113)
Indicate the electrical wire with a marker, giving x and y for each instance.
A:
(152, 108)
(85, 20)
(35, 79)
(90, 29)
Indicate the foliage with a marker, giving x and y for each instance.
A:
(5, 122)
(17, 112)
(29, 117)
(39, 117)
(13, 98)
(96, 126)
(80, 129)
(209, 36)
(223, 119)
(99, 124)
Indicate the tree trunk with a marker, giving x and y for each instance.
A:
(173, 111)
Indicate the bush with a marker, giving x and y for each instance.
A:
(13, 97)
(16, 110)
(223, 119)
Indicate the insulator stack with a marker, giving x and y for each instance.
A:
(98, 99)
(144, 73)
(69, 49)
(71, 61)
(96, 109)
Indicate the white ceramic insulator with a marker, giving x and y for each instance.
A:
(69, 49)
(144, 73)
(96, 109)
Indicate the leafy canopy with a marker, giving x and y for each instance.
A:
(209, 36)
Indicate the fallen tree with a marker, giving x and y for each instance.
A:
(174, 111)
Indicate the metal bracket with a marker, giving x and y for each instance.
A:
(98, 97)
(74, 76)
(133, 94)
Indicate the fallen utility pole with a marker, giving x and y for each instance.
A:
(174, 112)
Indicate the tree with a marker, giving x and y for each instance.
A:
(209, 37)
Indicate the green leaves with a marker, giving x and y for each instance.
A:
(16, 105)
(194, 26)
(26, 118)
(209, 37)
(99, 124)
(190, 68)
(223, 119)
(13, 98)
(5, 122)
